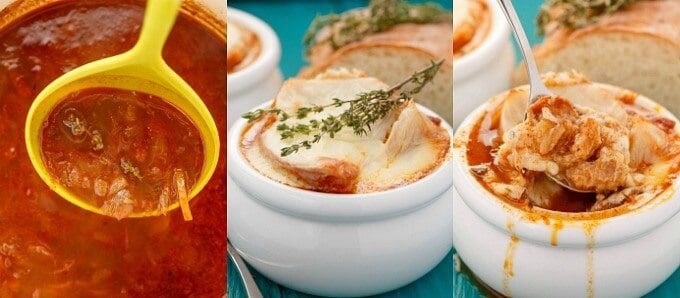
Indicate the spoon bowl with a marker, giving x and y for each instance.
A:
(141, 69)
(537, 88)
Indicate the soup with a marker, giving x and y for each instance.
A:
(622, 153)
(472, 21)
(48, 246)
(122, 151)
(398, 149)
(243, 47)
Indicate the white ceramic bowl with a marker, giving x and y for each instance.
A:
(486, 70)
(626, 255)
(260, 80)
(337, 244)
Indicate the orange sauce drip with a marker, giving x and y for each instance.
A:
(508, 263)
(559, 225)
(589, 229)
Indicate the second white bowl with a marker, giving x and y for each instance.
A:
(259, 81)
(486, 70)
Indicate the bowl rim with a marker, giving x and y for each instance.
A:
(574, 232)
(499, 33)
(336, 207)
(266, 62)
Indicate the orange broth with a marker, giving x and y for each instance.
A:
(119, 150)
(51, 248)
(478, 153)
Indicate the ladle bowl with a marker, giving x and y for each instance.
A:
(141, 69)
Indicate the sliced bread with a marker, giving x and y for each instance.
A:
(637, 48)
(396, 54)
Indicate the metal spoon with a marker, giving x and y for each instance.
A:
(537, 89)
(251, 287)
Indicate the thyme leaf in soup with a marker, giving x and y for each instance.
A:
(75, 124)
(128, 168)
(97, 141)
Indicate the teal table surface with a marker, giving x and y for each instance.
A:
(290, 20)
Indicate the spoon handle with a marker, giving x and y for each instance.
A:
(251, 287)
(159, 18)
(537, 88)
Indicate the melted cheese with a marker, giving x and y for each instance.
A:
(460, 12)
(399, 149)
(471, 23)
(649, 149)
(242, 47)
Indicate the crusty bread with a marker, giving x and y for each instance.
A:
(637, 48)
(394, 55)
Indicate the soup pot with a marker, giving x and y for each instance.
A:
(76, 227)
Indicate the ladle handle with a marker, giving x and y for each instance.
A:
(536, 85)
(159, 17)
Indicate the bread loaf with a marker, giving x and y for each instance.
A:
(637, 48)
(396, 54)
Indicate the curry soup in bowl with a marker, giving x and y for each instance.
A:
(253, 58)
(332, 220)
(50, 247)
(542, 239)
(483, 53)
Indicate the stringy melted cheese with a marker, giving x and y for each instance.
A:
(599, 138)
(399, 149)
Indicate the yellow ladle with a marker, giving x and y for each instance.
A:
(140, 69)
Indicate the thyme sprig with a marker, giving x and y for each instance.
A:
(78, 127)
(363, 111)
(576, 13)
(381, 15)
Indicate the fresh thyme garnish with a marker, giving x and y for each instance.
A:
(97, 141)
(380, 16)
(128, 168)
(75, 124)
(78, 128)
(576, 13)
(363, 111)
